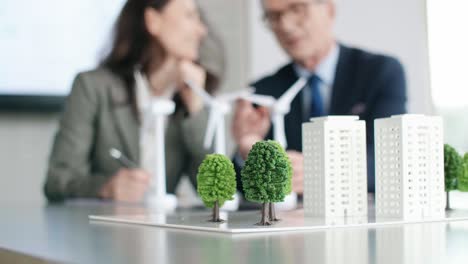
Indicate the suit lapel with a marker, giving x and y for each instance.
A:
(127, 126)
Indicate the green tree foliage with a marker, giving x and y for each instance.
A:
(216, 180)
(267, 174)
(453, 167)
(463, 176)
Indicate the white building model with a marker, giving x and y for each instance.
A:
(409, 167)
(335, 168)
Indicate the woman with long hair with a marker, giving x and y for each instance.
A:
(156, 41)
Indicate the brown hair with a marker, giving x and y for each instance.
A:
(133, 45)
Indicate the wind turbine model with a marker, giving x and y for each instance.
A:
(219, 107)
(158, 110)
(280, 108)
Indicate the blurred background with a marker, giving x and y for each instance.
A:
(43, 44)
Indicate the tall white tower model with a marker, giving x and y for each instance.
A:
(335, 167)
(409, 167)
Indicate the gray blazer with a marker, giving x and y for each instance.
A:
(96, 118)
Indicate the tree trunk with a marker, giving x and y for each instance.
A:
(273, 213)
(216, 213)
(447, 207)
(264, 220)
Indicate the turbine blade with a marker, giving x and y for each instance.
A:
(220, 138)
(206, 97)
(211, 128)
(289, 95)
(263, 100)
(232, 96)
(279, 133)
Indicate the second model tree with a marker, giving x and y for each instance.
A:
(266, 177)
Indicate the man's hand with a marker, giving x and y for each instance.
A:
(297, 161)
(250, 125)
(127, 185)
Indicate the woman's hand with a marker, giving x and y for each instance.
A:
(127, 185)
(189, 71)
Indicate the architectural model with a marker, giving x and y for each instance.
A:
(335, 167)
(410, 189)
(409, 166)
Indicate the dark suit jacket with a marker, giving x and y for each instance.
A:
(368, 85)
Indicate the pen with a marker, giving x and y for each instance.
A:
(122, 159)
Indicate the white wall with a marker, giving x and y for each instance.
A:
(448, 56)
(25, 141)
(226, 17)
(395, 27)
(265, 54)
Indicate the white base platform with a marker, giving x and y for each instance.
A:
(244, 222)
(163, 204)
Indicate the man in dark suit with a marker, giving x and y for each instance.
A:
(342, 81)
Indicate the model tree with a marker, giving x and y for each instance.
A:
(463, 176)
(216, 182)
(288, 187)
(266, 177)
(453, 167)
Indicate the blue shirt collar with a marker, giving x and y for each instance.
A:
(326, 69)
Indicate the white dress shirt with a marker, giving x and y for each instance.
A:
(326, 71)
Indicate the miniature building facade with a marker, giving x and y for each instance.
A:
(335, 167)
(409, 167)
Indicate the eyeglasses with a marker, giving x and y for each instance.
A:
(298, 12)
